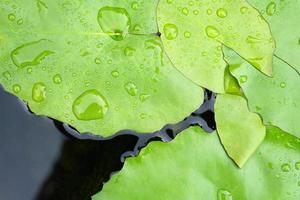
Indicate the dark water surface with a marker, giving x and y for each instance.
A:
(44, 159)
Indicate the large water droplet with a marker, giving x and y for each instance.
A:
(114, 21)
(31, 54)
(212, 32)
(224, 195)
(39, 92)
(170, 31)
(271, 8)
(222, 13)
(131, 88)
(90, 105)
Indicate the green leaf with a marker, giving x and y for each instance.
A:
(86, 64)
(236, 123)
(195, 166)
(193, 33)
(283, 17)
(277, 98)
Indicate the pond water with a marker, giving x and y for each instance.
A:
(43, 159)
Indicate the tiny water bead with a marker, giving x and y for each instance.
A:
(90, 105)
(212, 32)
(243, 10)
(11, 17)
(98, 61)
(297, 165)
(135, 5)
(187, 34)
(131, 88)
(185, 11)
(17, 88)
(224, 195)
(57, 79)
(31, 54)
(39, 92)
(128, 51)
(144, 97)
(271, 8)
(282, 84)
(115, 73)
(286, 167)
(7, 75)
(114, 21)
(222, 13)
(20, 22)
(170, 31)
(243, 79)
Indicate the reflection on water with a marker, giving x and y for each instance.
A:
(44, 159)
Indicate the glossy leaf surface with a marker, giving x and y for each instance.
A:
(193, 33)
(85, 63)
(195, 166)
(241, 132)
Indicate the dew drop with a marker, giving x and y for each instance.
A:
(286, 167)
(114, 21)
(17, 88)
(143, 115)
(185, 11)
(135, 5)
(187, 34)
(243, 79)
(90, 105)
(7, 75)
(209, 11)
(282, 84)
(271, 8)
(144, 97)
(297, 165)
(224, 195)
(222, 13)
(98, 61)
(128, 51)
(31, 54)
(131, 88)
(212, 32)
(169, 1)
(11, 17)
(39, 92)
(57, 79)
(115, 73)
(170, 31)
(20, 22)
(243, 10)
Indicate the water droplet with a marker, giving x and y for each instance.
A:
(191, 3)
(243, 10)
(224, 195)
(222, 13)
(114, 21)
(7, 75)
(20, 22)
(286, 167)
(212, 32)
(282, 84)
(170, 31)
(271, 8)
(128, 51)
(187, 34)
(131, 88)
(29, 70)
(115, 73)
(135, 5)
(98, 61)
(137, 28)
(243, 79)
(90, 105)
(31, 54)
(169, 1)
(144, 97)
(297, 165)
(143, 116)
(196, 12)
(57, 79)
(17, 88)
(11, 17)
(185, 11)
(39, 92)
(252, 40)
(209, 11)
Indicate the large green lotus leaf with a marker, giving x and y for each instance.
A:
(236, 123)
(277, 98)
(283, 17)
(195, 166)
(193, 33)
(69, 63)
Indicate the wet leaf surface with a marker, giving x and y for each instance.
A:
(197, 166)
(83, 63)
